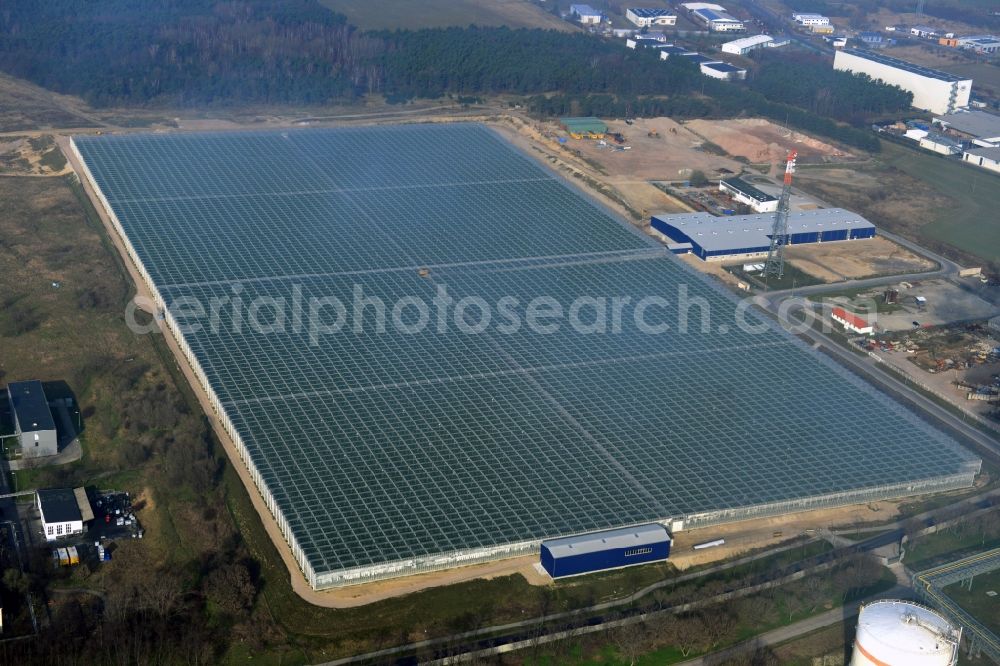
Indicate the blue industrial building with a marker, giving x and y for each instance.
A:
(611, 549)
(744, 236)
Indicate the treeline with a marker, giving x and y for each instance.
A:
(197, 52)
(810, 83)
(429, 63)
(186, 51)
(815, 7)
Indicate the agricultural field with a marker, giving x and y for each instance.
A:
(407, 14)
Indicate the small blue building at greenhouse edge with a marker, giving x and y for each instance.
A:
(611, 549)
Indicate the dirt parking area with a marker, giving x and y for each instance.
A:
(946, 303)
(835, 262)
(670, 156)
(761, 141)
(762, 532)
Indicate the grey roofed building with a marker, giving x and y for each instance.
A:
(59, 505)
(976, 124)
(722, 67)
(745, 188)
(992, 152)
(651, 12)
(31, 409)
(32, 419)
(936, 141)
(625, 537)
(736, 233)
(673, 49)
(697, 58)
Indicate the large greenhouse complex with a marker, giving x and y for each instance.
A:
(429, 351)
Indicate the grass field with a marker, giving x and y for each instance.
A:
(413, 14)
(971, 224)
(939, 202)
(751, 616)
(983, 607)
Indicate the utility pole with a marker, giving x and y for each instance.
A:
(779, 231)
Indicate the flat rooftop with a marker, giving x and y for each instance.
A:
(59, 505)
(30, 406)
(752, 40)
(722, 67)
(649, 12)
(697, 58)
(626, 537)
(979, 124)
(383, 450)
(988, 153)
(716, 15)
(749, 190)
(737, 232)
(904, 65)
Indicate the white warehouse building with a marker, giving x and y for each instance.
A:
(934, 91)
(722, 70)
(586, 14)
(987, 158)
(746, 44)
(645, 17)
(714, 16)
(811, 19)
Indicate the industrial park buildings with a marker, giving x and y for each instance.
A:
(747, 44)
(714, 238)
(645, 17)
(933, 90)
(33, 421)
(714, 16)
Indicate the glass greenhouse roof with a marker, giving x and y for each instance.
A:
(385, 446)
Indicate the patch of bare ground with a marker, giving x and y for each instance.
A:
(761, 141)
(834, 262)
(31, 156)
(762, 532)
(659, 149)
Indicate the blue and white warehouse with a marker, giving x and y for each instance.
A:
(741, 236)
(611, 549)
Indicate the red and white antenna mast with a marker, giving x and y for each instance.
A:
(779, 231)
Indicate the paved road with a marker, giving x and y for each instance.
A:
(801, 628)
(946, 269)
(866, 366)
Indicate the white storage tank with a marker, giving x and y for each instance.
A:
(902, 633)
